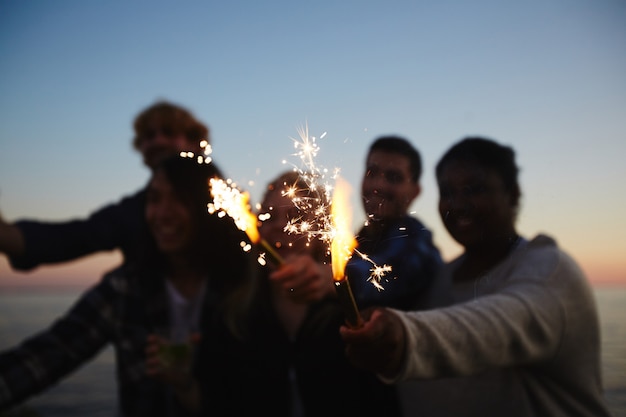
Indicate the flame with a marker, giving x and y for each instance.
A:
(321, 227)
(227, 199)
(343, 241)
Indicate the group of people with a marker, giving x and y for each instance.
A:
(509, 327)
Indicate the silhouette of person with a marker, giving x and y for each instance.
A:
(161, 130)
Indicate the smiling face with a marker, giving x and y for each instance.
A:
(387, 190)
(474, 204)
(168, 218)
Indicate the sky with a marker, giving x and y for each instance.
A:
(546, 77)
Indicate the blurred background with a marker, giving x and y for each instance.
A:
(548, 78)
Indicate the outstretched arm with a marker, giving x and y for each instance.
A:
(33, 243)
(11, 239)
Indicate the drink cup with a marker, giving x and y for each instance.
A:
(175, 350)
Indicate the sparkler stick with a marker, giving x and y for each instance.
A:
(227, 199)
(342, 245)
(271, 253)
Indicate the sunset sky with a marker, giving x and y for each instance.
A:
(547, 77)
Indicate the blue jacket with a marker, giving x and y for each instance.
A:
(407, 246)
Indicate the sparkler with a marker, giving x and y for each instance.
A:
(377, 272)
(319, 183)
(319, 190)
(205, 158)
(342, 245)
(229, 200)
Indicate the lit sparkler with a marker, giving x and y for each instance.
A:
(319, 190)
(319, 183)
(342, 246)
(377, 272)
(229, 200)
(205, 158)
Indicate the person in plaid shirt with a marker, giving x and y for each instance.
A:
(188, 259)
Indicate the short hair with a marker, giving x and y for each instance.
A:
(487, 153)
(401, 146)
(172, 116)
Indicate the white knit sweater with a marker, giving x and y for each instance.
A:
(522, 340)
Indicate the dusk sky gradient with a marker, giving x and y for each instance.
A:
(547, 77)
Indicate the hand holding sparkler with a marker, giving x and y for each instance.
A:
(378, 345)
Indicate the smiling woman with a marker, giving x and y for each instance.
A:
(190, 272)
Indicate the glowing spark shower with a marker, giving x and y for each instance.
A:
(320, 183)
(316, 199)
(377, 272)
(229, 200)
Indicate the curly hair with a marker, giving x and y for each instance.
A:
(173, 117)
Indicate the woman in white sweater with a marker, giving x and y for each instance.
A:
(512, 326)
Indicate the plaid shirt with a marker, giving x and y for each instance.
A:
(121, 310)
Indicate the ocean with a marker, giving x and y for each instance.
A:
(91, 391)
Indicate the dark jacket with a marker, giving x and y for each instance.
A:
(252, 377)
(115, 226)
(407, 246)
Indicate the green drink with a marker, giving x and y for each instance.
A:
(175, 355)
